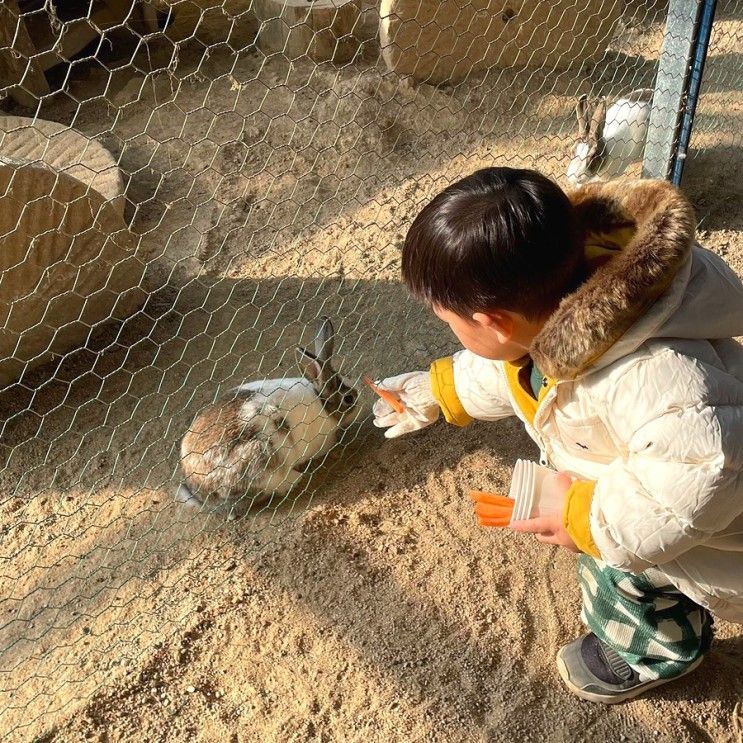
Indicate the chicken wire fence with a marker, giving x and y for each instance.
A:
(188, 187)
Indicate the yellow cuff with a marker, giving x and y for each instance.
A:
(576, 516)
(442, 384)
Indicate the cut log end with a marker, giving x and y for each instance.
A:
(446, 41)
(323, 30)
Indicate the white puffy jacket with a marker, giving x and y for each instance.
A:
(643, 400)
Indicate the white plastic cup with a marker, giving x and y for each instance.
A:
(536, 491)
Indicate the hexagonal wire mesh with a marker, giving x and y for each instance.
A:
(187, 186)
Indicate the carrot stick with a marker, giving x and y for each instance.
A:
(494, 519)
(483, 509)
(493, 499)
(501, 522)
(389, 397)
(492, 509)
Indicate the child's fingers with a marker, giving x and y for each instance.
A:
(405, 424)
(390, 400)
(546, 538)
(387, 395)
(540, 525)
(384, 421)
(382, 408)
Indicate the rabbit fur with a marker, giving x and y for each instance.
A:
(609, 140)
(253, 442)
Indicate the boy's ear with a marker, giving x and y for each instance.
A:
(501, 323)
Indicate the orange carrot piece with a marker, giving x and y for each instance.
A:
(483, 509)
(498, 523)
(499, 519)
(506, 516)
(389, 397)
(492, 509)
(493, 499)
(498, 506)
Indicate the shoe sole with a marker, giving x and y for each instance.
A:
(620, 696)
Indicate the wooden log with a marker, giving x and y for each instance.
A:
(320, 29)
(20, 73)
(67, 264)
(444, 41)
(49, 144)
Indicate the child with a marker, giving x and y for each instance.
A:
(598, 322)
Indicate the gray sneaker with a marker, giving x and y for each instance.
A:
(595, 671)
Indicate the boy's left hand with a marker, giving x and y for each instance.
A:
(547, 529)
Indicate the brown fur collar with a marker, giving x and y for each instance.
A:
(590, 320)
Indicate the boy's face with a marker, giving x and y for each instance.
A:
(493, 336)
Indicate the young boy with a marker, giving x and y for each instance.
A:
(598, 321)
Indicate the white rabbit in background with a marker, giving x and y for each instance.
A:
(609, 140)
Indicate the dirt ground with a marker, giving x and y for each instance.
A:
(370, 606)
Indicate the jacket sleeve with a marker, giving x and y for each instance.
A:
(470, 387)
(679, 479)
(576, 516)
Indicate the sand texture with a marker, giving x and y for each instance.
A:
(370, 607)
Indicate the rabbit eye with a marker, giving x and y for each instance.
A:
(349, 398)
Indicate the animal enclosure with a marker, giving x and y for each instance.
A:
(186, 187)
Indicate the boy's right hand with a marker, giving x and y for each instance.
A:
(421, 407)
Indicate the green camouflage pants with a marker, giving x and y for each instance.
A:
(654, 627)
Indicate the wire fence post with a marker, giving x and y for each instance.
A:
(670, 88)
(701, 45)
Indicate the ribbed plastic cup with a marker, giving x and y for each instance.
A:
(536, 491)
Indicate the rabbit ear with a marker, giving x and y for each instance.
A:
(309, 366)
(596, 128)
(324, 341)
(582, 114)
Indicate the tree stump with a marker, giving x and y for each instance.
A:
(320, 29)
(49, 144)
(68, 261)
(445, 41)
(67, 264)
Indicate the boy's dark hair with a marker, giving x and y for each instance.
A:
(501, 238)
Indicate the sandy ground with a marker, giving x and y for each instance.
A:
(369, 607)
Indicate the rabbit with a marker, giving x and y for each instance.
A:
(609, 141)
(253, 442)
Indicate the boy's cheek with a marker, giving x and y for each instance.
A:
(495, 352)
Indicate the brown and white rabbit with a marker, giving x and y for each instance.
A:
(252, 443)
(609, 141)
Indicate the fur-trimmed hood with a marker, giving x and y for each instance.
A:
(649, 280)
